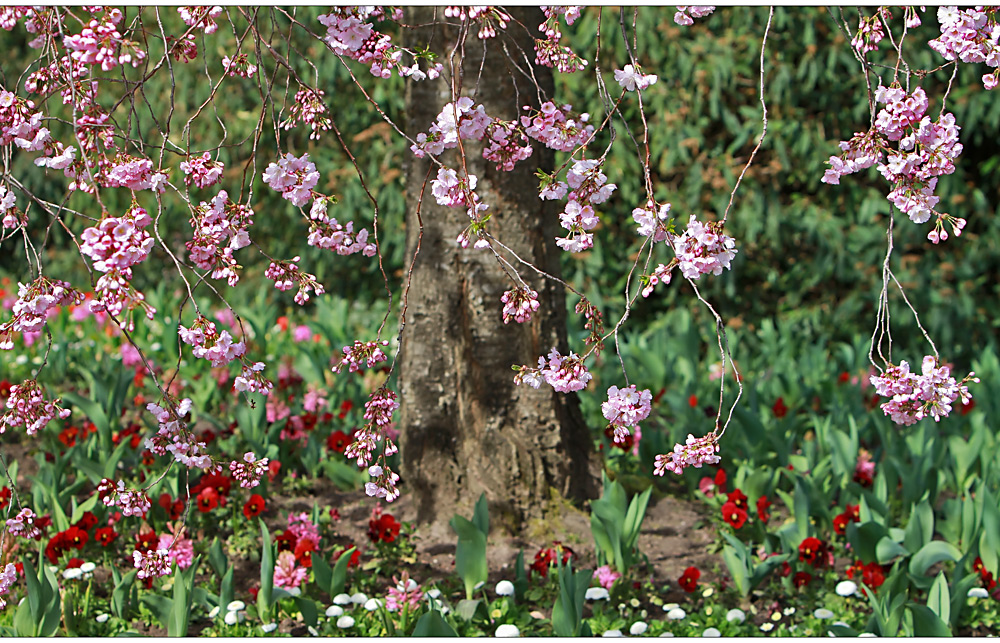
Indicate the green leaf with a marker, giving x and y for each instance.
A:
(481, 515)
(931, 553)
(801, 508)
(920, 527)
(926, 622)
(737, 569)
(939, 600)
(217, 558)
(308, 608)
(85, 506)
(266, 573)
(567, 613)
(177, 625)
(520, 576)
(226, 593)
(35, 600)
(338, 579)
(864, 539)
(468, 609)
(433, 624)
(888, 550)
(24, 623)
(120, 596)
(53, 613)
(470, 553)
(322, 573)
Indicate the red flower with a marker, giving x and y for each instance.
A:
(854, 511)
(334, 514)
(303, 552)
(967, 406)
(733, 515)
(105, 536)
(286, 541)
(56, 547)
(68, 435)
(253, 592)
(338, 441)
(844, 377)
(547, 556)
(5, 388)
(720, 480)
(384, 529)
(779, 408)
(86, 521)
(146, 539)
(840, 522)
(738, 498)
(4, 497)
(273, 467)
(871, 574)
(763, 504)
(978, 566)
(345, 406)
(254, 506)
(355, 556)
(207, 500)
(693, 401)
(786, 569)
(76, 537)
(811, 550)
(689, 579)
(148, 459)
(801, 579)
(217, 481)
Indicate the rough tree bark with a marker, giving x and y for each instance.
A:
(466, 428)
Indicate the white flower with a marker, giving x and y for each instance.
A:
(823, 613)
(736, 615)
(334, 610)
(215, 611)
(359, 599)
(232, 618)
(372, 604)
(610, 634)
(86, 568)
(711, 633)
(312, 631)
(72, 573)
(978, 592)
(868, 635)
(638, 628)
(596, 594)
(267, 628)
(342, 599)
(505, 588)
(846, 588)
(676, 614)
(236, 606)
(345, 622)
(667, 635)
(767, 627)
(102, 618)
(434, 593)
(789, 611)
(507, 630)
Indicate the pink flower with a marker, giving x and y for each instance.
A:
(287, 573)
(694, 453)
(632, 79)
(606, 576)
(180, 549)
(301, 333)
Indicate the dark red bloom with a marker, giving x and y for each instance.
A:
(73, 563)
(689, 579)
(738, 498)
(273, 467)
(5, 388)
(338, 441)
(253, 592)
(763, 504)
(967, 406)
(68, 435)
(105, 536)
(221, 483)
(286, 541)
(4, 497)
(76, 537)
(811, 550)
(355, 556)
(978, 566)
(786, 569)
(148, 459)
(303, 552)
(733, 515)
(207, 500)
(345, 406)
(693, 401)
(547, 556)
(871, 574)
(720, 480)
(174, 508)
(384, 529)
(56, 547)
(146, 539)
(844, 377)
(801, 579)
(840, 522)
(86, 521)
(334, 514)
(779, 408)
(254, 506)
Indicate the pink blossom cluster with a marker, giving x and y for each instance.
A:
(119, 242)
(704, 248)
(12, 217)
(661, 274)
(251, 379)
(451, 191)
(972, 36)
(173, 437)
(405, 595)
(288, 574)
(201, 17)
(684, 16)
(694, 453)
(27, 407)
(563, 373)
(548, 51)
(152, 563)
(914, 397)
(348, 33)
(378, 412)
(180, 549)
(100, 43)
(285, 275)
(606, 576)
(220, 228)
(653, 220)
(249, 472)
(114, 294)
(489, 18)
(20, 124)
(308, 107)
(183, 49)
(384, 482)
(7, 579)
(632, 79)
(578, 220)
(558, 129)
(367, 353)
(35, 302)
(861, 152)
(456, 119)
(505, 144)
(870, 32)
(202, 171)
(518, 304)
(131, 502)
(626, 408)
(239, 65)
(23, 524)
(303, 528)
(293, 177)
(133, 173)
(587, 182)
(326, 232)
(218, 348)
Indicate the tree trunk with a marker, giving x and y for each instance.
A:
(466, 428)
